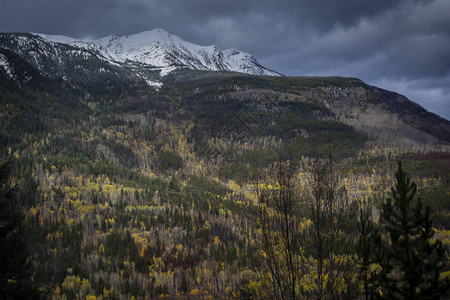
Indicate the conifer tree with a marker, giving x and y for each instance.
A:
(410, 259)
(184, 285)
(364, 246)
(15, 281)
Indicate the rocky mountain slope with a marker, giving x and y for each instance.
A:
(108, 65)
(379, 114)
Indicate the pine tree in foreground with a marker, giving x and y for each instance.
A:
(410, 259)
(364, 245)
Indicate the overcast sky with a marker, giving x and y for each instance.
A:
(401, 45)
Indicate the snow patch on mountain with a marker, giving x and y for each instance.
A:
(156, 84)
(56, 38)
(6, 66)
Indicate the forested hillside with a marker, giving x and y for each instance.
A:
(135, 192)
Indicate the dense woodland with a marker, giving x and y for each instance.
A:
(220, 187)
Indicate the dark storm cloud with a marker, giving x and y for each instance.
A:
(399, 45)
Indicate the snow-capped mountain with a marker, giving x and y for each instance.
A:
(159, 49)
(147, 55)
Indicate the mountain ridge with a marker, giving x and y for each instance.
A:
(112, 65)
(379, 113)
(149, 55)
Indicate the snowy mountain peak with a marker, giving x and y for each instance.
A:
(165, 52)
(137, 40)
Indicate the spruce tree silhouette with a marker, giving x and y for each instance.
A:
(411, 260)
